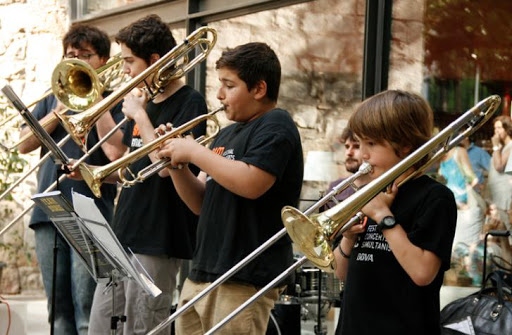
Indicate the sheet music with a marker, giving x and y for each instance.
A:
(94, 221)
(89, 234)
(66, 221)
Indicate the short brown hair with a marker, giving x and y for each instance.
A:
(147, 36)
(254, 62)
(399, 117)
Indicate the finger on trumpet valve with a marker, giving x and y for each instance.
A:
(163, 129)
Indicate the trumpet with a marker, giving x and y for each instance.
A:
(313, 234)
(94, 177)
(171, 66)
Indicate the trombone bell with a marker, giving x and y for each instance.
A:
(308, 235)
(76, 84)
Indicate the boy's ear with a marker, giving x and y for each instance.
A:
(405, 151)
(153, 58)
(103, 60)
(260, 90)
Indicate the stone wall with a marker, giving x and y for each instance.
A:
(30, 47)
(319, 43)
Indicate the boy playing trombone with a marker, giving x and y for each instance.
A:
(75, 285)
(393, 266)
(150, 219)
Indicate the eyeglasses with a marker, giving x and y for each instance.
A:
(79, 56)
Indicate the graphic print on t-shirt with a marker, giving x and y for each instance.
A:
(218, 150)
(229, 154)
(136, 139)
(372, 240)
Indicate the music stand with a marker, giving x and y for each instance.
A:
(86, 231)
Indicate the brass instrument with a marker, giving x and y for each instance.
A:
(473, 119)
(104, 78)
(94, 177)
(170, 66)
(77, 86)
(313, 234)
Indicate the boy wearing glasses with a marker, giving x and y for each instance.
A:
(75, 286)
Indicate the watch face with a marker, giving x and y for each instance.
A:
(388, 221)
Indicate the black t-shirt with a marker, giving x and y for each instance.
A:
(379, 296)
(47, 173)
(150, 217)
(230, 226)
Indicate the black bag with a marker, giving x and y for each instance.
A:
(490, 310)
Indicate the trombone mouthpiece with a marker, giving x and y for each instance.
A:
(365, 168)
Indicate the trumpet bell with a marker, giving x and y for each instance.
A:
(308, 235)
(92, 178)
(76, 84)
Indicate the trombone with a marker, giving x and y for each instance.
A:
(313, 238)
(77, 86)
(171, 66)
(313, 235)
(364, 169)
(94, 177)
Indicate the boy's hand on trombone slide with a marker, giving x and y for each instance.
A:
(379, 206)
(135, 103)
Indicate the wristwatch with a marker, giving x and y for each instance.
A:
(387, 222)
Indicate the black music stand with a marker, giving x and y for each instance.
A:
(88, 233)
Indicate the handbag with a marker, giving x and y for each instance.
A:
(486, 312)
